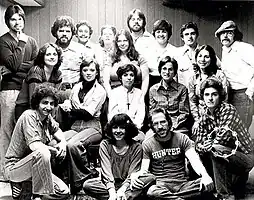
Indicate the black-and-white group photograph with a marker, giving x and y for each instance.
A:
(126, 100)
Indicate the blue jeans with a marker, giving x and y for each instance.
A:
(7, 104)
(243, 104)
(37, 168)
(77, 142)
(231, 175)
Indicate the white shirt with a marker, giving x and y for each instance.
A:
(238, 65)
(131, 103)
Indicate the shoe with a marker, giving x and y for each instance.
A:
(16, 189)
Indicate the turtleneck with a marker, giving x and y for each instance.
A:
(86, 86)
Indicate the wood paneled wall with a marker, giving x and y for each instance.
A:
(101, 12)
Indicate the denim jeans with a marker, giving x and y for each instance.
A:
(95, 188)
(243, 104)
(7, 103)
(37, 168)
(231, 175)
(77, 142)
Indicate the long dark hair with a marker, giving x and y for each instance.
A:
(132, 53)
(212, 68)
(39, 61)
(124, 121)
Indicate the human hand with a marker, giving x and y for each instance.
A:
(22, 36)
(61, 150)
(66, 105)
(136, 183)
(206, 183)
(112, 194)
(207, 145)
(121, 193)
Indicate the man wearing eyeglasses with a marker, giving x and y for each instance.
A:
(238, 65)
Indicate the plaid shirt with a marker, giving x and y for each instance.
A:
(224, 115)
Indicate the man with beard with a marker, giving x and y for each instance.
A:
(164, 157)
(238, 66)
(74, 53)
(17, 54)
(144, 41)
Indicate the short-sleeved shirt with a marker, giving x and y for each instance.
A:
(73, 56)
(29, 129)
(167, 160)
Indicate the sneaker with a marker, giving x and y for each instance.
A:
(16, 189)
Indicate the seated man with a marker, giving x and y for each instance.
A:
(223, 140)
(35, 142)
(164, 155)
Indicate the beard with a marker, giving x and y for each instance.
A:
(136, 28)
(63, 44)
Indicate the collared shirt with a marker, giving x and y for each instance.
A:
(73, 56)
(29, 129)
(173, 99)
(145, 45)
(93, 100)
(224, 115)
(185, 58)
(238, 64)
(196, 104)
(131, 103)
(158, 54)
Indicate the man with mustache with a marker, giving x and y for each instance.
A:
(144, 41)
(164, 157)
(223, 142)
(74, 53)
(238, 66)
(17, 54)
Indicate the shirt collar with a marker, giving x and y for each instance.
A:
(126, 90)
(173, 85)
(186, 48)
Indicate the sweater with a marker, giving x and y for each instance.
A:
(18, 57)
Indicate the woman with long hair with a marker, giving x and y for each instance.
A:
(126, 53)
(120, 156)
(206, 65)
(45, 69)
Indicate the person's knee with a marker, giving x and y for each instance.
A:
(87, 185)
(42, 154)
(152, 192)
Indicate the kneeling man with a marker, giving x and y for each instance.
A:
(223, 140)
(35, 143)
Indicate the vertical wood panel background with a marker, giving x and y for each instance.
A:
(100, 12)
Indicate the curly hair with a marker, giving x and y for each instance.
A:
(162, 24)
(62, 21)
(85, 23)
(126, 68)
(132, 53)
(11, 10)
(212, 68)
(192, 25)
(41, 91)
(140, 14)
(124, 121)
(101, 42)
(168, 59)
(213, 83)
(85, 63)
(39, 61)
